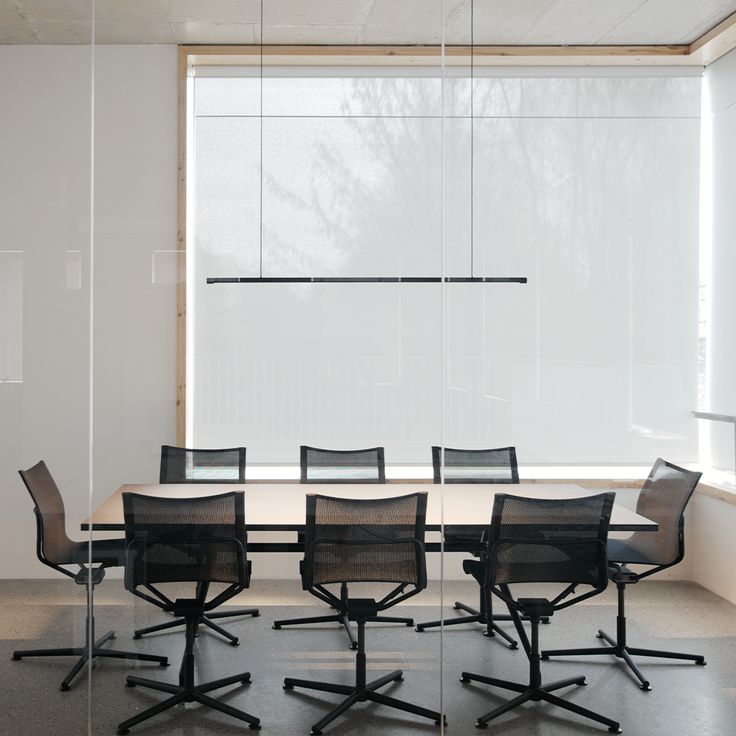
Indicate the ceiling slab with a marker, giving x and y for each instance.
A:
(507, 23)
(680, 21)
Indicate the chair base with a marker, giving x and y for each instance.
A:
(342, 618)
(624, 652)
(360, 694)
(475, 617)
(192, 694)
(206, 620)
(85, 654)
(536, 693)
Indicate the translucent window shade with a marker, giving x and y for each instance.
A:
(585, 182)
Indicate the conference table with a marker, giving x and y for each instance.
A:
(276, 511)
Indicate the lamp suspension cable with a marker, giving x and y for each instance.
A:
(472, 140)
(472, 279)
(260, 167)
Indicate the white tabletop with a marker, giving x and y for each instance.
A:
(282, 505)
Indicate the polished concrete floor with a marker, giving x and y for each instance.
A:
(686, 699)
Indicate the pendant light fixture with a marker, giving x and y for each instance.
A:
(471, 279)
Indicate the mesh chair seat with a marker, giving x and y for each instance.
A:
(620, 551)
(107, 552)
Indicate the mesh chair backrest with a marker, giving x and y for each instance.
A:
(475, 466)
(663, 499)
(365, 540)
(166, 539)
(54, 545)
(538, 540)
(342, 466)
(186, 465)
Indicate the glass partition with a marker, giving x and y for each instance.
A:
(272, 246)
(293, 164)
(45, 349)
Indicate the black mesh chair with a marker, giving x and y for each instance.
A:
(342, 466)
(545, 541)
(368, 541)
(186, 540)
(473, 466)
(55, 549)
(663, 499)
(185, 465)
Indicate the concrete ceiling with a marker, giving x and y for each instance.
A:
(330, 22)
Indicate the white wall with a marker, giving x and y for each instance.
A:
(721, 80)
(45, 180)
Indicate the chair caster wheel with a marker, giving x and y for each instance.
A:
(701, 662)
(646, 687)
(275, 626)
(16, 658)
(416, 628)
(599, 635)
(464, 679)
(245, 680)
(137, 635)
(544, 657)
(410, 623)
(163, 664)
(122, 731)
(235, 642)
(353, 646)
(255, 726)
(615, 729)
(443, 722)
(256, 615)
(129, 684)
(481, 725)
(584, 682)
(315, 732)
(544, 620)
(515, 645)
(64, 687)
(288, 687)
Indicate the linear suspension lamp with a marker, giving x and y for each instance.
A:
(472, 279)
(366, 279)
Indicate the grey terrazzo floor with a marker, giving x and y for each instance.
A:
(686, 699)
